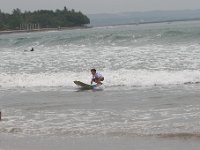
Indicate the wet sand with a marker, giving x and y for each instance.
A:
(10, 142)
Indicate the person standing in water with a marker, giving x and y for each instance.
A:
(96, 77)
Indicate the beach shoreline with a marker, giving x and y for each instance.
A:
(43, 30)
(86, 27)
(95, 142)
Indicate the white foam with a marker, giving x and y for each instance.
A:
(151, 78)
(39, 79)
(102, 122)
(120, 77)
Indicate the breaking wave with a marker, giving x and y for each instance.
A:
(170, 122)
(122, 77)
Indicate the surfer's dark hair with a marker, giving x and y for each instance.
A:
(93, 70)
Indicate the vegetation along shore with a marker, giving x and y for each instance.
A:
(41, 20)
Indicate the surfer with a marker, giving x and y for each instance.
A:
(96, 77)
(32, 49)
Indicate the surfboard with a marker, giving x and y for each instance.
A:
(84, 85)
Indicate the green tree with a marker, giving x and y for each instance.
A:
(46, 18)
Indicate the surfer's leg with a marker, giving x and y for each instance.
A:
(98, 81)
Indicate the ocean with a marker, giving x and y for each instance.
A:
(150, 97)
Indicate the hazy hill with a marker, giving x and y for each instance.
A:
(137, 17)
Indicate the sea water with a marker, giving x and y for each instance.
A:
(151, 87)
(144, 55)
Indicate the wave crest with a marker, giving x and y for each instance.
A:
(112, 78)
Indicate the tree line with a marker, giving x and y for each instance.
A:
(45, 18)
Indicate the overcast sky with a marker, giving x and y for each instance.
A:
(100, 6)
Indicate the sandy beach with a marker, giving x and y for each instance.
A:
(43, 30)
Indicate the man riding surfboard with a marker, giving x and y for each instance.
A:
(96, 77)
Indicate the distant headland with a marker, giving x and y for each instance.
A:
(27, 21)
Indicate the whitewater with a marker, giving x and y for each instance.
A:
(150, 96)
(145, 55)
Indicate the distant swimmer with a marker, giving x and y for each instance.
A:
(96, 77)
(32, 49)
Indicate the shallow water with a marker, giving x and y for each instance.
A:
(151, 87)
(158, 111)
